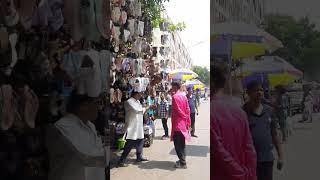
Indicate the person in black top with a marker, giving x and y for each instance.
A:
(263, 127)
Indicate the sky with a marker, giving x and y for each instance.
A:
(297, 8)
(196, 37)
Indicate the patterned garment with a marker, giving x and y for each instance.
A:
(163, 109)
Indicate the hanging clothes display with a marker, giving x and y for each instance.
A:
(48, 49)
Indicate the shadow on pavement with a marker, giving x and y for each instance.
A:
(158, 138)
(164, 165)
(302, 128)
(194, 150)
(115, 156)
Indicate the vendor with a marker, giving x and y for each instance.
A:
(75, 150)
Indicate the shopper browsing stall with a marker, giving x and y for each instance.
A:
(152, 101)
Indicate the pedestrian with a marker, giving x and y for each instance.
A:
(180, 124)
(263, 126)
(198, 94)
(281, 111)
(75, 150)
(232, 149)
(193, 110)
(205, 93)
(307, 107)
(134, 128)
(152, 101)
(164, 115)
(169, 100)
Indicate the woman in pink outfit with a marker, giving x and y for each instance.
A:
(180, 124)
(233, 156)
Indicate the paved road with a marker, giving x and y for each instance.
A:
(162, 156)
(302, 152)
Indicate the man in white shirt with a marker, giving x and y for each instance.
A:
(76, 151)
(134, 127)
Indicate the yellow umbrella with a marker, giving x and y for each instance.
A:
(245, 50)
(187, 77)
(198, 86)
(281, 79)
(182, 74)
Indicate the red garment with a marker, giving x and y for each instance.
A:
(180, 115)
(233, 156)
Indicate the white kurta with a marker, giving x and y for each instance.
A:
(76, 152)
(134, 119)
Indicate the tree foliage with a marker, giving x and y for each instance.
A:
(204, 74)
(301, 41)
(153, 10)
(177, 27)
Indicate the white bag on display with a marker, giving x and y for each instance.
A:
(13, 38)
(123, 2)
(131, 23)
(126, 35)
(141, 28)
(123, 18)
(117, 33)
(137, 8)
(116, 14)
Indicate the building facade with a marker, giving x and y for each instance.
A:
(248, 11)
(172, 53)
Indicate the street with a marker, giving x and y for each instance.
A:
(162, 156)
(302, 152)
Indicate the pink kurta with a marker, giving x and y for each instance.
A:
(180, 115)
(233, 156)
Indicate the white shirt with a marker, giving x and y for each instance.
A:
(169, 98)
(134, 119)
(76, 152)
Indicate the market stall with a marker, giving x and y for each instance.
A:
(48, 49)
(136, 66)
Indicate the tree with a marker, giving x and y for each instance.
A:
(301, 42)
(153, 10)
(204, 74)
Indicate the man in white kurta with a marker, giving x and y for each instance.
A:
(134, 127)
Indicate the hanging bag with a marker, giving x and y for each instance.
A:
(122, 142)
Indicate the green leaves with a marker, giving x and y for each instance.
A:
(177, 27)
(153, 10)
(204, 74)
(301, 41)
